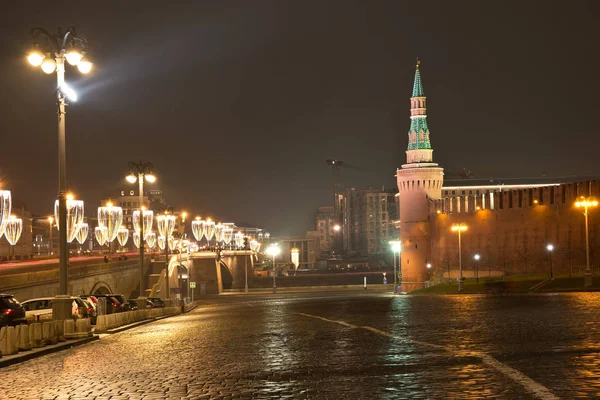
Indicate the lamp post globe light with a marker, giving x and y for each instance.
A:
(396, 248)
(458, 228)
(274, 250)
(50, 52)
(586, 203)
(477, 257)
(140, 172)
(550, 249)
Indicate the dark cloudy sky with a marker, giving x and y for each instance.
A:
(239, 103)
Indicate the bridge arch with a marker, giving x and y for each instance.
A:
(101, 287)
(226, 275)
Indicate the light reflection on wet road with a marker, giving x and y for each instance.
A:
(539, 346)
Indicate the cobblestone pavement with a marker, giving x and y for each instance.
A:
(344, 346)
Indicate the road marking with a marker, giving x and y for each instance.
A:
(533, 387)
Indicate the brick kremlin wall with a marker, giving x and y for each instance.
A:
(512, 237)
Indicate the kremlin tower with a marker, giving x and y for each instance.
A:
(419, 182)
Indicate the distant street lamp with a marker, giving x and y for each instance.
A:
(139, 172)
(50, 51)
(476, 257)
(110, 217)
(550, 249)
(122, 237)
(429, 271)
(82, 234)
(273, 250)
(12, 231)
(396, 248)
(586, 203)
(166, 225)
(458, 228)
(50, 228)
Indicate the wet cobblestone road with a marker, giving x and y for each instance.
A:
(344, 346)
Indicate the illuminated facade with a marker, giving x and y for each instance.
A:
(368, 221)
(508, 225)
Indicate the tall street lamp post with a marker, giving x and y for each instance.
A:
(586, 203)
(477, 257)
(139, 172)
(50, 51)
(274, 250)
(458, 228)
(166, 225)
(395, 251)
(50, 246)
(550, 249)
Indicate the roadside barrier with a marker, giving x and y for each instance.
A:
(8, 340)
(111, 321)
(24, 339)
(36, 335)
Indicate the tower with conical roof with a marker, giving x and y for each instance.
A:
(420, 181)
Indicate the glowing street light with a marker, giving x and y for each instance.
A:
(50, 229)
(477, 257)
(550, 249)
(82, 233)
(198, 228)
(458, 228)
(74, 216)
(274, 250)
(12, 230)
(49, 52)
(122, 236)
(396, 248)
(586, 203)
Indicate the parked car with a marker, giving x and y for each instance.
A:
(11, 311)
(91, 310)
(149, 304)
(157, 301)
(123, 300)
(41, 308)
(132, 304)
(113, 304)
(93, 300)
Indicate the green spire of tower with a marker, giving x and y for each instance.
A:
(418, 135)
(418, 86)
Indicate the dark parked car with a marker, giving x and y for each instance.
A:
(132, 304)
(123, 300)
(11, 311)
(157, 301)
(113, 304)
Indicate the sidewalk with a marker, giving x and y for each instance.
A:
(40, 351)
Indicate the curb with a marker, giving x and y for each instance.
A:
(6, 361)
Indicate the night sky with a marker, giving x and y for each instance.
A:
(239, 103)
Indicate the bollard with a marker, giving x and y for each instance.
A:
(52, 334)
(110, 321)
(60, 330)
(24, 339)
(46, 333)
(8, 343)
(69, 329)
(101, 323)
(81, 328)
(36, 333)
